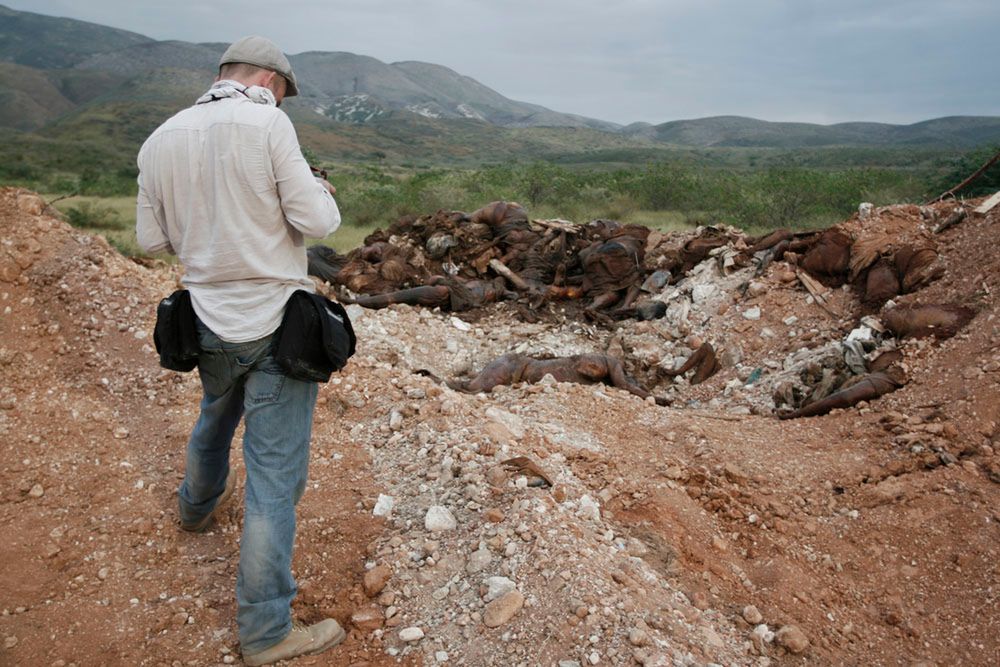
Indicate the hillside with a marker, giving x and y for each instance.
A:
(75, 81)
(703, 532)
(737, 131)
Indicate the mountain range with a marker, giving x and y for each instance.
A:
(70, 79)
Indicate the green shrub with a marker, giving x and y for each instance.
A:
(88, 215)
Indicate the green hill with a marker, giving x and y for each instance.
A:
(49, 42)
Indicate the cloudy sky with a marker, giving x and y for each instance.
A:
(896, 61)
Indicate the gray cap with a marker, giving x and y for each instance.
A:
(262, 52)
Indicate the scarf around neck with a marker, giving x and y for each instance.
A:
(229, 88)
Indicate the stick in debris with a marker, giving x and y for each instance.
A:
(515, 280)
(558, 224)
(988, 205)
(955, 217)
(815, 288)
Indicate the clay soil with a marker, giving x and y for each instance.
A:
(872, 534)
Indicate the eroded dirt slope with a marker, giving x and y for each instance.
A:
(867, 536)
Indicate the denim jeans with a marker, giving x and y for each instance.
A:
(243, 380)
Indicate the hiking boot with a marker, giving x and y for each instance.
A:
(227, 493)
(302, 640)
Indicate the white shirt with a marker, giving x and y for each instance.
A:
(224, 186)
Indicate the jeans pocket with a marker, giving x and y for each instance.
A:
(216, 372)
(265, 382)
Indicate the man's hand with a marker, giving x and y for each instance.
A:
(328, 185)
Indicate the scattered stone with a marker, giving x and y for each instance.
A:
(498, 586)
(493, 515)
(502, 609)
(752, 313)
(9, 642)
(638, 637)
(439, 519)
(792, 639)
(752, 615)
(36, 491)
(411, 634)
(589, 509)
(376, 578)
(368, 619)
(479, 561)
(383, 506)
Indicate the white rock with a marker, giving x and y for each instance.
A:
(752, 313)
(383, 506)
(411, 634)
(439, 518)
(497, 586)
(589, 509)
(460, 324)
(441, 656)
(763, 633)
(703, 292)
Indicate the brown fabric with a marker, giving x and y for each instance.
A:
(829, 258)
(613, 265)
(916, 321)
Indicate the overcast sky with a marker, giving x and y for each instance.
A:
(829, 61)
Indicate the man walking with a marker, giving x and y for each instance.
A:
(224, 186)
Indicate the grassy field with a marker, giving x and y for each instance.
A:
(716, 188)
(114, 218)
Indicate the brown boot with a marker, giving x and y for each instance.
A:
(302, 640)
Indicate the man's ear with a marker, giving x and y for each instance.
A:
(267, 79)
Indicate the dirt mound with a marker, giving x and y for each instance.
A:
(705, 532)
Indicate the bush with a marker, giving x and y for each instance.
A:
(87, 215)
(963, 167)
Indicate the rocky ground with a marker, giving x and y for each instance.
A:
(705, 532)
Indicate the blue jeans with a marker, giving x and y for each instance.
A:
(243, 380)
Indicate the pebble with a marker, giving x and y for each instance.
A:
(498, 586)
(503, 609)
(441, 656)
(479, 561)
(638, 637)
(10, 642)
(439, 518)
(36, 491)
(383, 506)
(411, 634)
(589, 509)
(792, 638)
(367, 619)
(494, 515)
(752, 615)
(752, 313)
(376, 578)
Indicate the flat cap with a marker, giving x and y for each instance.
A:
(262, 52)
